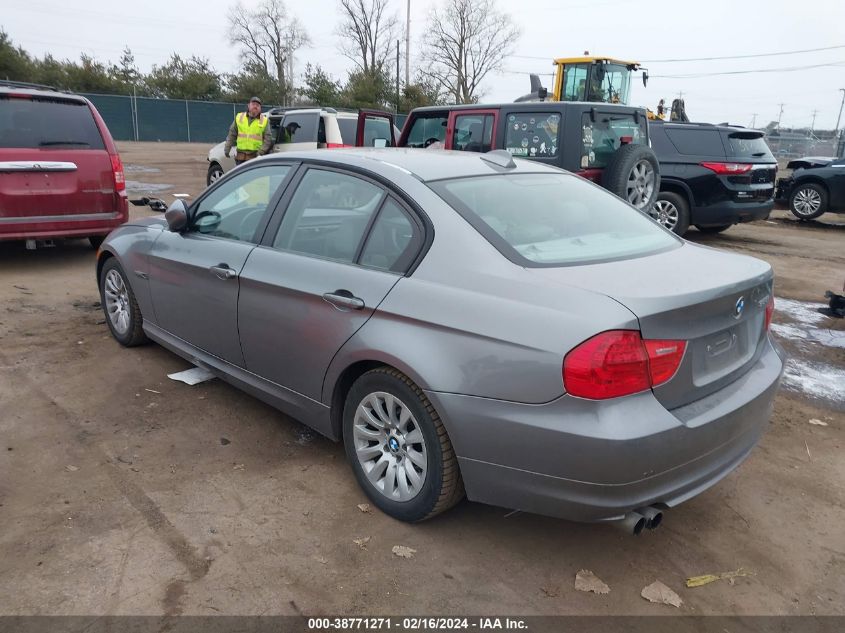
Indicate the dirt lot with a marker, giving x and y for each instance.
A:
(123, 492)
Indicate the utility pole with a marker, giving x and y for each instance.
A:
(408, 44)
(836, 129)
(780, 115)
(397, 76)
(813, 124)
(753, 120)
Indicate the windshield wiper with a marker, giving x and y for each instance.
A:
(759, 154)
(46, 143)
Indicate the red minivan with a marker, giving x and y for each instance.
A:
(60, 173)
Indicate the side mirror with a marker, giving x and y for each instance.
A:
(380, 142)
(645, 78)
(176, 216)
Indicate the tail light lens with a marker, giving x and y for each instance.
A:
(336, 145)
(619, 363)
(728, 169)
(770, 310)
(119, 177)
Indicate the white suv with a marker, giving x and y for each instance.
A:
(315, 128)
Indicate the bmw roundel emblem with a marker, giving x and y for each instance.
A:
(739, 307)
(394, 445)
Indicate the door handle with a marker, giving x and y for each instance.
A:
(223, 271)
(343, 299)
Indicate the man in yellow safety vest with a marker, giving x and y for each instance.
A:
(250, 133)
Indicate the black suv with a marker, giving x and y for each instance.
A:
(603, 142)
(712, 176)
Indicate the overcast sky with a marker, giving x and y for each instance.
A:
(641, 31)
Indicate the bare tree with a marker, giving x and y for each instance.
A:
(367, 33)
(464, 42)
(268, 36)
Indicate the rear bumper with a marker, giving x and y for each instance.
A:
(55, 226)
(732, 213)
(595, 461)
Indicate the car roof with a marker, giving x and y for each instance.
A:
(423, 164)
(530, 106)
(693, 125)
(45, 93)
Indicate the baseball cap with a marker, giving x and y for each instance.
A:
(256, 99)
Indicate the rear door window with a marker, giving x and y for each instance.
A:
(607, 133)
(473, 133)
(532, 134)
(299, 128)
(348, 129)
(427, 129)
(696, 142)
(47, 123)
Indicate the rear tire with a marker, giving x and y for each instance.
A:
(713, 229)
(215, 173)
(671, 211)
(123, 315)
(633, 174)
(808, 201)
(398, 447)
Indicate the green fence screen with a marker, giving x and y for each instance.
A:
(146, 119)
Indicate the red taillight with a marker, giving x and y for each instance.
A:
(664, 358)
(619, 363)
(336, 145)
(770, 310)
(117, 168)
(728, 169)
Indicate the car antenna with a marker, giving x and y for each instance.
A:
(500, 158)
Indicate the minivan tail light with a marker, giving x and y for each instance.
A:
(117, 169)
(620, 363)
(336, 145)
(728, 169)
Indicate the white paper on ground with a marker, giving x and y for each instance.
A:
(193, 376)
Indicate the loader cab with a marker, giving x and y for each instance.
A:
(594, 79)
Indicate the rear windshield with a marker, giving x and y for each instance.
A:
(553, 219)
(606, 134)
(746, 145)
(47, 123)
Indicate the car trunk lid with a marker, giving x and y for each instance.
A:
(714, 301)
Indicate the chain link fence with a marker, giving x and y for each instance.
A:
(132, 118)
(146, 119)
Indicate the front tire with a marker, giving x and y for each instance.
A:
(808, 201)
(398, 447)
(215, 173)
(671, 211)
(123, 315)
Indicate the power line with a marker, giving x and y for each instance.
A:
(748, 72)
(708, 59)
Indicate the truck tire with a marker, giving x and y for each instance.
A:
(633, 174)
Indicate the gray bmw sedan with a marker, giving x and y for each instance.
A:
(466, 324)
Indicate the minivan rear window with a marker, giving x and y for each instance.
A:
(553, 219)
(746, 145)
(47, 123)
